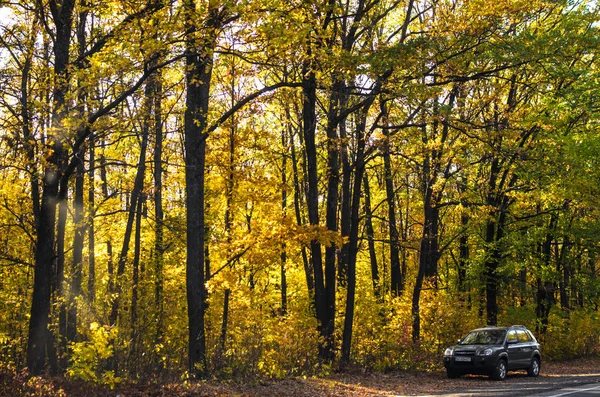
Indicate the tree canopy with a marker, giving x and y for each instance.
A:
(280, 188)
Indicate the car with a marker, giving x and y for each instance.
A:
(494, 351)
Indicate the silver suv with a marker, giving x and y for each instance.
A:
(494, 351)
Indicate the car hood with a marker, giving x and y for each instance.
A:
(472, 348)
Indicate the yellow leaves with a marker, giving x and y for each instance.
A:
(87, 356)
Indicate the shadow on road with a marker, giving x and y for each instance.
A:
(519, 385)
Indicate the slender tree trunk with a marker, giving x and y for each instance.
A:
(331, 217)
(353, 245)
(76, 270)
(105, 194)
(284, 204)
(59, 287)
(91, 284)
(308, 271)
(463, 260)
(223, 336)
(545, 295)
(135, 281)
(397, 281)
(340, 98)
(159, 247)
(136, 195)
(493, 235)
(322, 305)
(370, 238)
(565, 272)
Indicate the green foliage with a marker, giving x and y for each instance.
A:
(572, 334)
(89, 358)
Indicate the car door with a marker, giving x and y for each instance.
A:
(513, 349)
(526, 348)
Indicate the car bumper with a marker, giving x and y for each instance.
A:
(477, 364)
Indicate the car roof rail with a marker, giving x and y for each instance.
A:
(518, 326)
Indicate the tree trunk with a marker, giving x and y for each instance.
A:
(545, 288)
(136, 196)
(371, 239)
(38, 335)
(463, 241)
(159, 247)
(353, 244)
(308, 271)
(198, 78)
(397, 280)
(78, 219)
(491, 240)
(322, 305)
(59, 281)
(91, 283)
(135, 281)
(76, 270)
(284, 204)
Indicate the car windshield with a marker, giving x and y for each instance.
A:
(484, 337)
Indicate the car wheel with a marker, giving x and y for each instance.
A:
(534, 369)
(452, 374)
(500, 371)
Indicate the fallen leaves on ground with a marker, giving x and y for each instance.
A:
(356, 384)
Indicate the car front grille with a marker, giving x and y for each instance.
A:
(464, 353)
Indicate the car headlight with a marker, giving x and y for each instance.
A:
(448, 351)
(486, 352)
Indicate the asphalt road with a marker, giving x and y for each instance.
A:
(521, 385)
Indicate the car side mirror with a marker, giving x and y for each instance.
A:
(460, 340)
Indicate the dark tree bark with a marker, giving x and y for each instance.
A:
(297, 204)
(38, 336)
(564, 269)
(331, 218)
(545, 288)
(463, 241)
(284, 205)
(223, 336)
(309, 96)
(359, 169)
(135, 281)
(397, 281)
(370, 238)
(353, 244)
(78, 241)
(91, 282)
(346, 199)
(198, 77)
(59, 170)
(78, 219)
(105, 195)
(159, 246)
(493, 234)
(429, 251)
(59, 282)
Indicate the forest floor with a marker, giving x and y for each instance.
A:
(395, 383)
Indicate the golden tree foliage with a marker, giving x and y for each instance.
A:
(481, 116)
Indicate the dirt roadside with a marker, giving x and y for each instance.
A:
(554, 376)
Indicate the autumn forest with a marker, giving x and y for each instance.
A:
(233, 188)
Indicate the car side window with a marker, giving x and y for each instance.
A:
(522, 336)
(512, 336)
